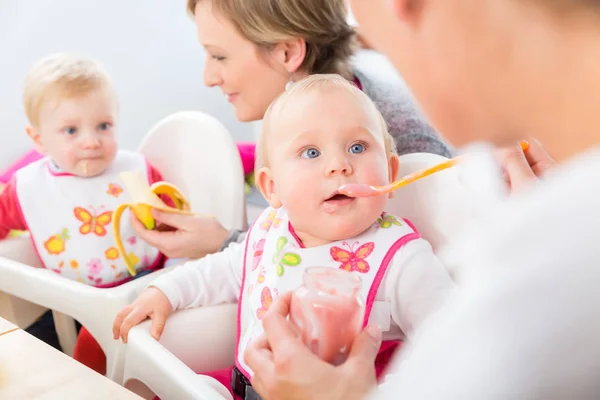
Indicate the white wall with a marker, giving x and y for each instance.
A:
(148, 47)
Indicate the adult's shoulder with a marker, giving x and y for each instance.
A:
(391, 95)
(555, 222)
(533, 272)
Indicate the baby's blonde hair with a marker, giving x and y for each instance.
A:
(320, 83)
(60, 76)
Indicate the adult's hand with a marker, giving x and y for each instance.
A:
(522, 167)
(284, 368)
(182, 236)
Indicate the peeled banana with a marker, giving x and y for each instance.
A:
(145, 198)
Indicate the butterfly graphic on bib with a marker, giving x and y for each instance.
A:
(353, 260)
(114, 190)
(266, 299)
(271, 221)
(283, 257)
(261, 275)
(386, 221)
(258, 247)
(93, 222)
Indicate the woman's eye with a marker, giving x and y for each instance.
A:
(311, 153)
(218, 58)
(357, 148)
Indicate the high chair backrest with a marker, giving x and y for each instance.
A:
(194, 141)
(436, 204)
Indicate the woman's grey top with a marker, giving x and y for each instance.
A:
(381, 82)
(406, 123)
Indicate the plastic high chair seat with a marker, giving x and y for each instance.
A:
(203, 339)
(194, 340)
(190, 149)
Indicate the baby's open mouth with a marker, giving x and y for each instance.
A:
(336, 202)
(339, 199)
(338, 196)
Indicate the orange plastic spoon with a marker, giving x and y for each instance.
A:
(364, 190)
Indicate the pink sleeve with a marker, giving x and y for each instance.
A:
(155, 176)
(11, 216)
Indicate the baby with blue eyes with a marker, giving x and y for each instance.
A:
(323, 132)
(66, 199)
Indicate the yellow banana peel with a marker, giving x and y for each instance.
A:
(145, 198)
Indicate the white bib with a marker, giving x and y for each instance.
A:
(70, 220)
(275, 261)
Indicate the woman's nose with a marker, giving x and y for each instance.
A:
(212, 77)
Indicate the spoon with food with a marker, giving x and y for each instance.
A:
(364, 190)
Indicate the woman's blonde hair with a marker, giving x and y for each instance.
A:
(318, 83)
(330, 41)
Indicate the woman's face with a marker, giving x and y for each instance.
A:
(460, 58)
(247, 75)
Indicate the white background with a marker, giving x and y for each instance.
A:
(148, 47)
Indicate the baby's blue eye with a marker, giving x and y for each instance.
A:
(311, 153)
(104, 126)
(71, 130)
(357, 148)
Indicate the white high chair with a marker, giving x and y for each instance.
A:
(190, 149)
(203, 339)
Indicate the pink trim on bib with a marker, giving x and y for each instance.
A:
(295, 236)
(239, 310)
(381, 272)
(411, 225)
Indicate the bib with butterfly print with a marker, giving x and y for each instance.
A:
(275, 260)
(70, 220)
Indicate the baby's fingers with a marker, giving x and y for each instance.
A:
(158, 325)
(119, 321)
(133, 319)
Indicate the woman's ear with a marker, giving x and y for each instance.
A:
(264, 181)
(291, 53)
(394, 170)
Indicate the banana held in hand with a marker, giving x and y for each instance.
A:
(145, 198)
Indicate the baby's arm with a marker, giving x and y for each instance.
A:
(11, 217)
(416, 284)
(214, 279)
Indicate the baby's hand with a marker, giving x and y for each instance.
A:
(151, 303)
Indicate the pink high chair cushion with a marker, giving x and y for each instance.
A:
(28, 158)
(247, 154)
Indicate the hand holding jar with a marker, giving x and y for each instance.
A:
(328, 310)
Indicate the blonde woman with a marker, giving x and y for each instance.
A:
(523, 323)
(254, 49)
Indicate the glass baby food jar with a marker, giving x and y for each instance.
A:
(328, 310)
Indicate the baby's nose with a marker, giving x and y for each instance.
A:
(339, 166)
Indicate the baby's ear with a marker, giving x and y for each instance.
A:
(34, 135)
(394, 170)
(266, 185)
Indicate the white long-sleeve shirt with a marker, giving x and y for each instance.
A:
(414, 285)
(523, 323)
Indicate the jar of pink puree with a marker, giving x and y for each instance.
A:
(328, 310)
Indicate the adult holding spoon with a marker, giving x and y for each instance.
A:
(522, 322)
